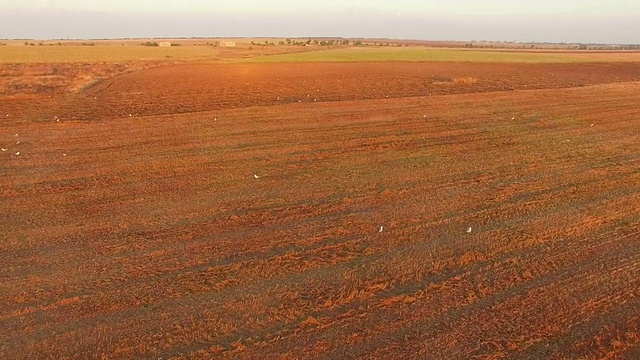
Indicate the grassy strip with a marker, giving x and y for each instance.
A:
(442, 55)
(120, 53)
(93, 54)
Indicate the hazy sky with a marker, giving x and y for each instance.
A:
(600, 21)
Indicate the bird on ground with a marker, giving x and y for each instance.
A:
(381, 229)
(256, 176)
(469, 230)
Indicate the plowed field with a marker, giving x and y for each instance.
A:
(331, 211)
(196, 88)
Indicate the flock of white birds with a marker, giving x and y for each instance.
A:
(18, 141)
(255, 176)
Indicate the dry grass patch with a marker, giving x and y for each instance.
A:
(465, 81)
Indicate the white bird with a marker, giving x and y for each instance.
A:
(18, 153)
(130, 115)
(64, 154)
(3, 149)
(18, 142)
(591, 124)
(381, 229)
(469, 230)
(513, 118)
(215, 118)
(256, 176)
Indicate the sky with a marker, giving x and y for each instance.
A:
(571, 21)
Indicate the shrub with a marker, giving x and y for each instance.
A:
(465, 81)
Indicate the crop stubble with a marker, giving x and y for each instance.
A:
(151, 237)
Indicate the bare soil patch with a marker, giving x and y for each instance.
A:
(219, 221)
(189, 88)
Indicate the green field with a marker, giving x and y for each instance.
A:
(443, 55)
(105, 53)
(20, 54)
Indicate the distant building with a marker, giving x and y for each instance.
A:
(164, 44)
(227, 44)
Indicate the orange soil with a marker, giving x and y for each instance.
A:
(196, 88)
(149, 236)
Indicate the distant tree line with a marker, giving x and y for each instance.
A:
(26, 43)
(153, 43)
(308, 42)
